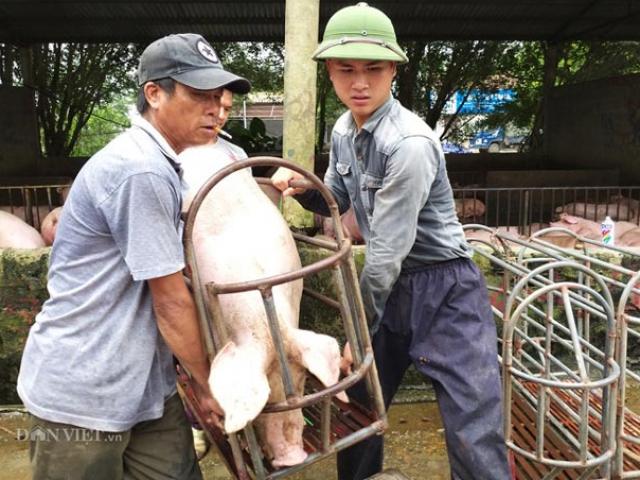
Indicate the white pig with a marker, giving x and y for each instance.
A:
(469, 208)
(591, 211)
(589, 229)
(630, 238)
(15, 233)
(240, 235)
(38, 213)
(49, 225)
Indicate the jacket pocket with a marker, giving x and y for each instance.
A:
(370, 185)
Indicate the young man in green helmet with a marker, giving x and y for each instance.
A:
(426, 301)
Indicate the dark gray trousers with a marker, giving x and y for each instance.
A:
(439, 319)
(159, 449)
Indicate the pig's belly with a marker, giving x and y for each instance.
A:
(245, 241)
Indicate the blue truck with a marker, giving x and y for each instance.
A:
(495, 140)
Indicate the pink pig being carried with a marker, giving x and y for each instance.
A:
(240, 235)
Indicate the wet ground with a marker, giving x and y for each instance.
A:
(414, 445)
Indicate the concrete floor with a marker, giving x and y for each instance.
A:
(414, 445)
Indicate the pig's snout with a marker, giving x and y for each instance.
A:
(292, 456)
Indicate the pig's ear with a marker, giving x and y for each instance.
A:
(321, 356)
(239, 384)
(570, 219)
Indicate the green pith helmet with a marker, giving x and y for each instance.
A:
(360, 32)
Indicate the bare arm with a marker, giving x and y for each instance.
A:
(178, 324)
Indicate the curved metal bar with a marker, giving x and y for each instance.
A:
(611, 370)
(236, 287)
(494, 234)
(306, 400)
(597, 461)
(624, 320)
(555, 265)
(609, 348)
(258, 162)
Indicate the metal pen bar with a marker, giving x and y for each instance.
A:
(566, 433)
(254, 452)
(347, 317)
(276, 336)
(238, 458)
(325, 427)
(540, 416)
(574, 334)
(348, 381)
(365, 340)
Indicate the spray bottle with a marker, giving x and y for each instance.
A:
(607, 229)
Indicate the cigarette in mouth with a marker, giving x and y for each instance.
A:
(220, 131)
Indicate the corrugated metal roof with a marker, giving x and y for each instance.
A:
(220, 20)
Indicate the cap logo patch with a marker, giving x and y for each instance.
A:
(207, 52)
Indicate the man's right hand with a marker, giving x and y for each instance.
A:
(281, 180)
(347, 359)
(208, 405)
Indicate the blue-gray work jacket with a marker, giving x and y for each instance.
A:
(393, 172)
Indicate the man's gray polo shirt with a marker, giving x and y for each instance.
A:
(94, 358)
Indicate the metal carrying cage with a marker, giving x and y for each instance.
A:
(336, 425)
(565, 401)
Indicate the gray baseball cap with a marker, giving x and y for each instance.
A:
(189, 59)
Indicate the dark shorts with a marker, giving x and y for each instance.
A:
(155, 449)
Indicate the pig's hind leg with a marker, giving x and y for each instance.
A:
(320, 354)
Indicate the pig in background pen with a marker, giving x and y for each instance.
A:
(30, 227)
(514, 211)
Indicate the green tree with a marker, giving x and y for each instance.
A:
(70, 80)
(9, 55)
(328, 107)
(537, 67)
(261, 63)
(104, 124)
(438, 69)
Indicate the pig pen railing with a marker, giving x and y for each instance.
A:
(354, 424)
(589, 270)
(32, 202)
(524, 207)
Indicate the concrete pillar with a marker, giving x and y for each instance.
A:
(300, 40)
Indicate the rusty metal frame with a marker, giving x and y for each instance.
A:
(544, 380)
(615, 276)
(623, 318)
(29, 197)
(349, 303)
(598, 370)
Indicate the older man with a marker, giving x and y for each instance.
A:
(97, 372)
(200, 163)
